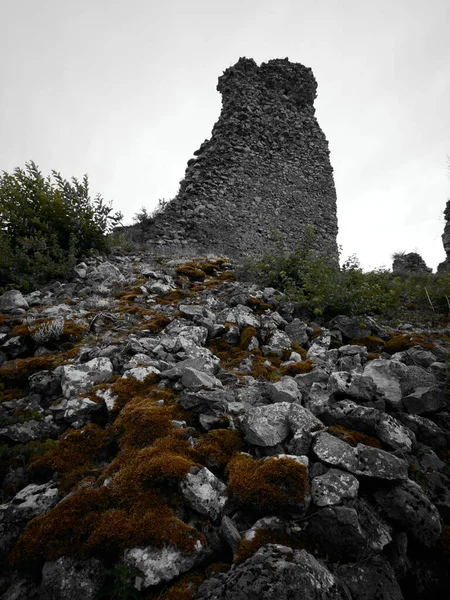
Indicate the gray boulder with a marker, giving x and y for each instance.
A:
(267, 425)
(407, 504)
(69, 578)
(372, 579)
(274, 571)
(362, 460)
(333, 487)
(158, 565)
(205, 493)
(11, 301)
(297, 332)
(80, 378)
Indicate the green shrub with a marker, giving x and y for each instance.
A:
(46, 224)
(321, 288)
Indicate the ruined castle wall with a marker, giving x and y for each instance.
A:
(264, 177)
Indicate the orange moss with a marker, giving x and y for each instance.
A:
(403, 341)
(258, 305)
(174, 297)
(299, 367)
(371, 342)
(353, 437)
(262, 368)
(373, 355)
(248, 333)
(297, 348)
(266, 485)
(218, 447)
(157, 324)
(76, 456)
(64, 530)
(191, 271)
(128, 388)
(140, 424)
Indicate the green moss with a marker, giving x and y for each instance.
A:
(353, 437)
(266, 485)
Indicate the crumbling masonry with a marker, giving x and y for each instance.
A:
(264, 179)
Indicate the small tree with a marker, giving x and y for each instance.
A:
(46, 224)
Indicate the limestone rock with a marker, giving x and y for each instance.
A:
(362, 460)
(333, 487)
(193, 378)
(205, 493)
(350, 327)
(425, 399)
(372, 579)
(69, 578)
(11, 301)
(274, 571)
(407, 504)
(79, 378)
(267, 425)
(158, 565)
(296, 330)
(285, 390)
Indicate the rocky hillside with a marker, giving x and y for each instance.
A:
(167, 432)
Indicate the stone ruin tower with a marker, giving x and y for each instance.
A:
(264, 178)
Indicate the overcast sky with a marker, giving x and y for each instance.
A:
(125, 91)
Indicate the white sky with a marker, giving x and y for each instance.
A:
(124, 90)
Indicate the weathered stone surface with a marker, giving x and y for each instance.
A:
(351, 385)
(387, 376)
(320, 346)
(406, 504)
(425, 430)
(273, 572)
(285, 390)
(296, 330)
(68, 578)
(265, 166)
(79, 378)
(339, 532)
(75, 409)
(160, 564)
(362, 460)
(425, 399)
(193, 378)
(217, 399)
(350, 327)
(28, 431)
(11, 301)
(205, 493)
(370, 421)
(372, 579)
(267, 425)
(333, 487)
(34, 500)
(140, 373)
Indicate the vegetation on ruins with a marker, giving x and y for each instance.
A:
(321, 288)
(46, 224)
